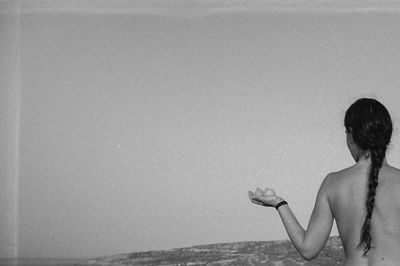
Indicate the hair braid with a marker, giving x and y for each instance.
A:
(377, 156)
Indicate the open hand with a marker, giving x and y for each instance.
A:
(265, 197)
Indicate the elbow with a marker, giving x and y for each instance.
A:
(308, 255)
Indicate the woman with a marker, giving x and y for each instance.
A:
(364, 199)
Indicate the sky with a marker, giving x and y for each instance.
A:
(144, 131)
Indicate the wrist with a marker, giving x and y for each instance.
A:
(279, 202)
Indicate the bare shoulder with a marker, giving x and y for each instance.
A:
(335, 181)
(336, 177)
(393, 171)
(390, 176)
(330, 182)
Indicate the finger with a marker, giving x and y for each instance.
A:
(252, 195)
(257, 202)
(253, 198)
(256, 199)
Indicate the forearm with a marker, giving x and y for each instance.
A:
(293, 228)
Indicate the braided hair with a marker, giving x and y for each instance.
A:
(370, 124)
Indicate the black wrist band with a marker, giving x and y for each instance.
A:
(280, 204)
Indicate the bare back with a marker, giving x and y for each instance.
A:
(347, 197)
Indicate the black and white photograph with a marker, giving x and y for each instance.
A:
(199, 132)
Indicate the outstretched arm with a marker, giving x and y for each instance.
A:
(308, 242)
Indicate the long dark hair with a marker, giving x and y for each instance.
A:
(371, 127)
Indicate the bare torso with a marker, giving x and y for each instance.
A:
(347, 197)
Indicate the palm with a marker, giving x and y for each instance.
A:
(265, 198)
